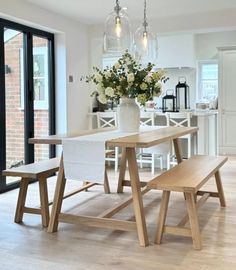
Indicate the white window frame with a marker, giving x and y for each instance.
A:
(199, 94)
(38, 104)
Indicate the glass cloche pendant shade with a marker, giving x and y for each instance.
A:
(117, 36)
(145, 42)
(145, 45)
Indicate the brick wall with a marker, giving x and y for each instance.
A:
(14, 110)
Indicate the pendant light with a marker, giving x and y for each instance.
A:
(117, 36)
(145, 42)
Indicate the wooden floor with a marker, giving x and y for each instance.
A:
(28, 246)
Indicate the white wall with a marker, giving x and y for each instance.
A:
(71, 52)
(206, 44)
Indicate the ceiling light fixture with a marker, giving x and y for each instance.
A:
(145, 42)
(117, 35)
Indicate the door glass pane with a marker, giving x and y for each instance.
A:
(40, 73)
(14, 83)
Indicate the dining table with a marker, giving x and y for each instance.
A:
(129, 145)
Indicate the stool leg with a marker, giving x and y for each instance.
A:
(21, 199)
(153, 163)
(43, 190)
(220, 189)
(84, 184)
(161, 162)
(106, 183)
(116, 159)
(193, 220)
(162, 216)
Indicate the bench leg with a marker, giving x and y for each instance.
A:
(162, 216)
(193, 220)
(21, 200)
(220, 189)
(43, 190)
(106, 183)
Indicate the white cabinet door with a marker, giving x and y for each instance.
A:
(207, 134)
(227, 102)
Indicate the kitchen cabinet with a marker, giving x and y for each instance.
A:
(176, 51)
(207, 139)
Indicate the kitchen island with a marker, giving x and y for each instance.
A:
(205, 120)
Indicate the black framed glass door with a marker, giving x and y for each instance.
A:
(27, 96)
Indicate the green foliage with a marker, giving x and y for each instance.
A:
(127, 78)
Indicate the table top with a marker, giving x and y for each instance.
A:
(57, 139)
(141, 140)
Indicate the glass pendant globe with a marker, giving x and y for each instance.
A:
(145, 45)
(117, 35)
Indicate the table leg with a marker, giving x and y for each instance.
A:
(58, 197)
(178, 151)
(122, 171)
(137, 197)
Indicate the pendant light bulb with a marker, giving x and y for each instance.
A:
(145, 40)
(118, 26)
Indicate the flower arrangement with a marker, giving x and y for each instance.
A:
(127, 78)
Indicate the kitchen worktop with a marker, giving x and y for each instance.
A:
(194, 112)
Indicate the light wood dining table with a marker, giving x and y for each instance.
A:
(128, 144)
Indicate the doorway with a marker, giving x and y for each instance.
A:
(27, 96)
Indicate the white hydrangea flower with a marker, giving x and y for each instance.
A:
(143, 86)
(117, 65)
(100, 88)
(109, 91)
(127, 61)
(107, 74)
(148, 79)
(130, 77)
(102, 99)
(158, 85)
(98, 77)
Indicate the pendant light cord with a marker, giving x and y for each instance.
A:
(117, 8)
(145, 24)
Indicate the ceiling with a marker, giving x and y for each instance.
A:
(95, 11)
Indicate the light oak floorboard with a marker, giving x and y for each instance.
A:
(29, 246)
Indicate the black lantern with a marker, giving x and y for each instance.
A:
(182, 94)
(169, 102)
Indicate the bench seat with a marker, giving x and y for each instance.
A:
(40, 170)
(188, 177)
(35, 170)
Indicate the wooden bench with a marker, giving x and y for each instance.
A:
(188, 177)
(42, 170)
(39, 170)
